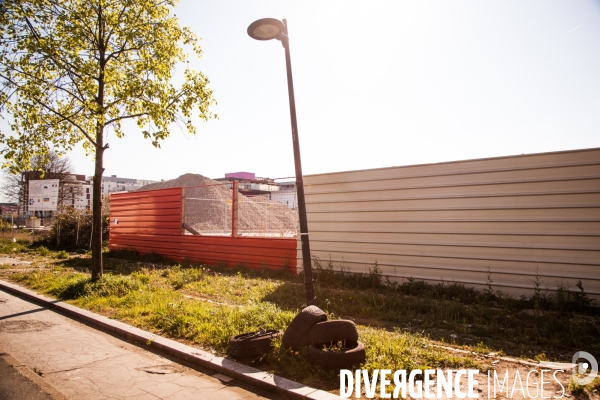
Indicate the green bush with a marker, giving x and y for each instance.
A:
(43, 251)
(71, 229)
(575, 388)
(62, 255)
(5, 226)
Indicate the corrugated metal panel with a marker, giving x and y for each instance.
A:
(251, 252)
(150, 222)
(152, 212)
(517, 216)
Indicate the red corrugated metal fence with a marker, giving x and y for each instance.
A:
(150, 222)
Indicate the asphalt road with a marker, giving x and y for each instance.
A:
(14, 386)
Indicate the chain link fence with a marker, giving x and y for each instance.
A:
(226, 210)
(259, 216)
(207, 210)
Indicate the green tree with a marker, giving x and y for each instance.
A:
(73, 70)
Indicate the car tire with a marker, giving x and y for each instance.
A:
(353, 354)
(300, 325)
(331, 331)
(253, 344)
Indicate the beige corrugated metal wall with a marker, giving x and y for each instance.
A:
(452, 221)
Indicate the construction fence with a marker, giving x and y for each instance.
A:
(509, 222)
(214, 224)
(222, 210)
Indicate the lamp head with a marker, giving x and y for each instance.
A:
(266, 29)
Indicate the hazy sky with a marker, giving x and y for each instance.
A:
(381, 83)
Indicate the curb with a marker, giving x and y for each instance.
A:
(189, 354)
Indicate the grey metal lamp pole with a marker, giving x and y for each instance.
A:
(267, 29)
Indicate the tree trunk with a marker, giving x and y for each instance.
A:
(99, 170)
(97, 212)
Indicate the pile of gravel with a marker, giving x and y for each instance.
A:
(207, 208)
(183, 181)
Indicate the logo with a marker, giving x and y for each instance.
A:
(462, 383)
(582, 367)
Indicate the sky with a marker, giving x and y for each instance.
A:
(380, 84)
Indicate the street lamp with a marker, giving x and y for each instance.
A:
(267, 29)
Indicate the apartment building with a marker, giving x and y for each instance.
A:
(113, 183)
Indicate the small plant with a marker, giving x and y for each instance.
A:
(541, 357)
(561, 297)
(580, 299)
(43, 251)
(576, 388)
(325, 275)
(481, 348)
(375, 275)
(489, 292)
(337, 346)
(62, 255)
(540, 300)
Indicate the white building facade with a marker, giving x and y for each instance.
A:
(82, 196)
(83, 190)
(113, 183)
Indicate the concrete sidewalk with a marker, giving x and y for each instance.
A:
(82, 362)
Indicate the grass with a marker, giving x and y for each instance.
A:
(402, 325)
(147, 299)
(552, 325)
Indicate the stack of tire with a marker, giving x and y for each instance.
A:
(311, 328)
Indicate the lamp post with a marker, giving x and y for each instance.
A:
(267, 29)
